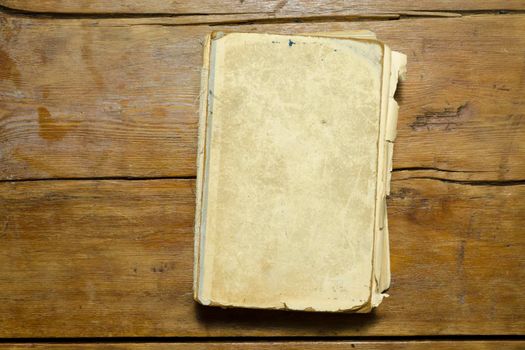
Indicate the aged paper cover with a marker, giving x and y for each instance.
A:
(295, 146)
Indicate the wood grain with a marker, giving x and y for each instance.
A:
(89, 96)
(119, 97)
(114, 258)
(274, 7)
(290, 345)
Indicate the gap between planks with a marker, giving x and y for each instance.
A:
(418, 170)
(263, 339)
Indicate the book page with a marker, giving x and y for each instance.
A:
(291, 168)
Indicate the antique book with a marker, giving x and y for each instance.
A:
(295, 150)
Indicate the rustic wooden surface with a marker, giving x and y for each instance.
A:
(119, 97)
(98, 117)
(270, 7)
(114, 258)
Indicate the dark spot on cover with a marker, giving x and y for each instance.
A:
(290, 42)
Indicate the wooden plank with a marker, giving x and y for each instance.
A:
(114, 258)
(99, 103)
(119, 97)
(289, 345)
(274, 7)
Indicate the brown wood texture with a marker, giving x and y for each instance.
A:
(114, 258)
(119, 97)
(290, 345)
(272, 7)
(101, 97)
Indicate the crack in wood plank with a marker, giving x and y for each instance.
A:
(100, 178)
(468, 182)
(440, 169)
(131, 178)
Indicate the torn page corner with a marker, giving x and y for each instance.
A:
(377, 298)
(399, 64)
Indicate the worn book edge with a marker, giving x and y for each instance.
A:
(394, 69)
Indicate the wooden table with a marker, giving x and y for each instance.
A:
(98, 119)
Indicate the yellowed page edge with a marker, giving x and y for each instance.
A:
(203, 103)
